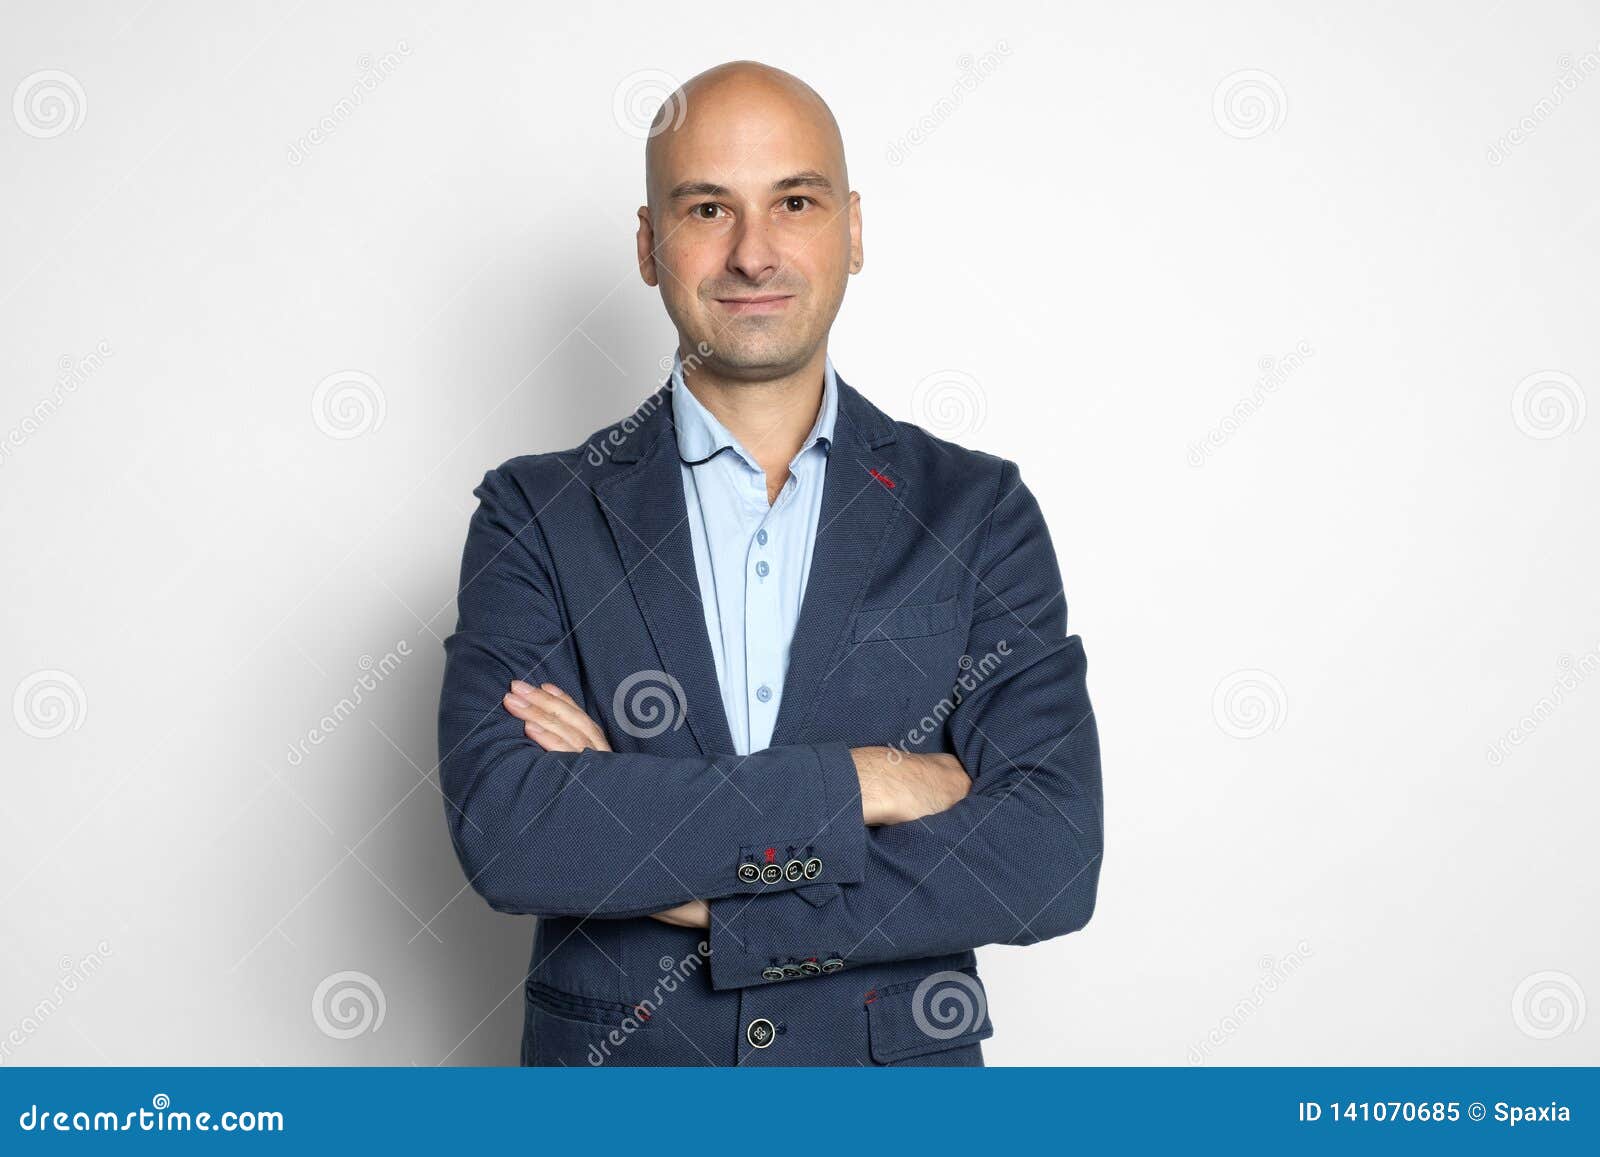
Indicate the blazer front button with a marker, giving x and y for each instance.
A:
(771, 874)
(812, 868)
(749, 873)
(760, 1033)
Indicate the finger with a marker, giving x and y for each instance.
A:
(563, 712)
(550, 738)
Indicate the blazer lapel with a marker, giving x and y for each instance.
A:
(862, 491)
(649, 520)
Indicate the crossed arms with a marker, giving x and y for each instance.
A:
(916, 859)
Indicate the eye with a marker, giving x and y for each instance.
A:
(711, 205)
(804, 201)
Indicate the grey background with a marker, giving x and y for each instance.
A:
(1312, 608)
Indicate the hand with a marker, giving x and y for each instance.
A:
(552, 720)
(898, 787)
(694, 914)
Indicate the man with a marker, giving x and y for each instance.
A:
(761, 700)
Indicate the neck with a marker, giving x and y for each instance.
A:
(770, 417)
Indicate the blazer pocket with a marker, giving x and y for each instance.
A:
(569, 1006)
(903, 622)
(944, 1010)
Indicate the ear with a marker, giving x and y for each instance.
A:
(857, 256)
(646, 241)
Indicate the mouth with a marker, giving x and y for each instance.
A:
(763, 303)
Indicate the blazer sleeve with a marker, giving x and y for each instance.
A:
(598, 833)
(1015, 862)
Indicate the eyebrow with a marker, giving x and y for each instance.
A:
(806, 179)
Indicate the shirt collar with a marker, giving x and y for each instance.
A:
(700, 435)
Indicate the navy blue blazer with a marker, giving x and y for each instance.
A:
(934, 620)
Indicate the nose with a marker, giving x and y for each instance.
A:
(753, 255)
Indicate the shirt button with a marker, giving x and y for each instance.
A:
(760, 1033)
(762, 568)
(763, 693)
(761, 536)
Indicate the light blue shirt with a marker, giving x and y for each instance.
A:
(752, 559)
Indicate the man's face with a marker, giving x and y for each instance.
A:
(753, 236)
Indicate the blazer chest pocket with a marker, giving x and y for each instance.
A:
(873, 624)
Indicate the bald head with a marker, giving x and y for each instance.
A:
(729, 111)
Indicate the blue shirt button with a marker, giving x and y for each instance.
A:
(762, 568)
(761, 536)
(763, 693)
